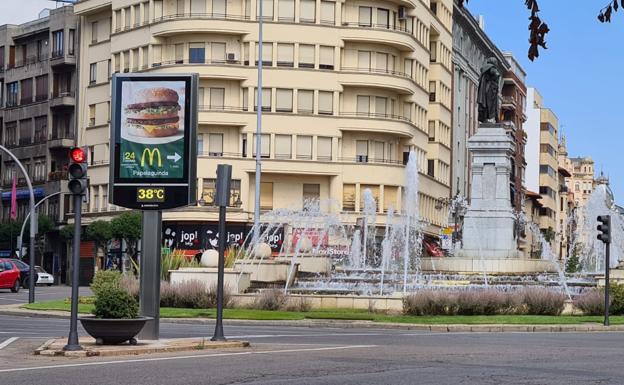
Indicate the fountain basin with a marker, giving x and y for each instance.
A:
(233, 279)
(268, 271)
(311, 264)
(488, 265)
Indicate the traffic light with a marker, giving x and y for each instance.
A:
(77, 171)
(604, 228)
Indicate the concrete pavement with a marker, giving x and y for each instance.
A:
(42, 293)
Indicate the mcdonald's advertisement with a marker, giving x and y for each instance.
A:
(154, 122)
(152, 130)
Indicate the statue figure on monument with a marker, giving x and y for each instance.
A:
(489, 89)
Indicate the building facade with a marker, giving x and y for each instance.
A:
(38, 80)
(471, 47)
(566, 200)
(350, 88)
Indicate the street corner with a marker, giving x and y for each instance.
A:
(54, 347)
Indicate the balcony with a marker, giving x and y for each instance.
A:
(61, 139)
(63, 100)
(57, 176)
(60, 59)
(509, 102)
(182, 23)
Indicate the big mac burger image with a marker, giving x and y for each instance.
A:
(153, 113)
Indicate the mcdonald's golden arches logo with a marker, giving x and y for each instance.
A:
(151, 153)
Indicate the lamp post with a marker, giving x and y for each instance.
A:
(21, 234)
(33, 227)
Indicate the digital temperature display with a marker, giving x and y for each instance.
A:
(150, 194)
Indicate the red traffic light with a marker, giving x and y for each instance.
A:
(78, 155)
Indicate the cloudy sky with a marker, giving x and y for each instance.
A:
(20, 11)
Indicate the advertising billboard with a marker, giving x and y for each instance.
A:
(153, 130)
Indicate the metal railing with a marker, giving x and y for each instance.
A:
(211, 15)
(375, 115)
(376, 71)
(389, 27)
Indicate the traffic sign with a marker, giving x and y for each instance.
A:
(153, 128)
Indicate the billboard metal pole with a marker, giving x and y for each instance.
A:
(33, 227)
(256, 234)
(149, 294)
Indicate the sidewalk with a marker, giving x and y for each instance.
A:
(15, 310)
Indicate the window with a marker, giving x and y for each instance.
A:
(284, 100)
(215, 144)
(266, 99)
(267, 9)
(306, 56)
(146, 17)
(179, 53)
(305, 102)
(432, 128)
(144, 57)
(25, 132)
(58, 43)
(92, 73)
(217, 98)
(265, 143)
(209, 190)
(41, 129)
(326, 103)
(127, 24)
(126, 61)
(408, 67)
(245, 99)
(94, 32)
(363, 105)
(382, 62)
(311, 195)
(431, 167)
(374, 192)
(117, 58)
(304, 147)
(383, 18)
(432, 91)
(324, 148)
(200, 144)
(391, 193)
(118, 20)
(381, 107)
(219, 8)
(12, 92)
(27, 91)
(198, 7)
(366, 18)
(283, 144)
(326, 58)
(361, 151)
(158, 9)
(348, 197)
(200, 96)
(285, 55)
(307, 11)
(41, 88)
(266, 195)
(11, 134)
(267, 54)
(328, 12)
(137, 15)
(286, 10)
(108, 69)
(217, 52)
(197, 53)
(433, 51)
(92, 115)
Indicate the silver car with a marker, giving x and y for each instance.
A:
(44, 278)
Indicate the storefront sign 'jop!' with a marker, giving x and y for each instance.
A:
(154, 154)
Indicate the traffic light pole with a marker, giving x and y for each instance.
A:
(72, 340)
(607, 283)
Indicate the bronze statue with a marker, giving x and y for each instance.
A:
(489, 88)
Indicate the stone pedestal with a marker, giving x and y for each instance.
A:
(489, 221)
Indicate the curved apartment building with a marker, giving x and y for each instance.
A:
(350, 87)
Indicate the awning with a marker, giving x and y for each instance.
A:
(24, 194)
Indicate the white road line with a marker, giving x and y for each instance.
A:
(101, 363)
(8, 342)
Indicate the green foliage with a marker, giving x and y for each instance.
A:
(573, 263)
(616, 293)
(8, 229)
(173, 261)
(99, 232)
(104, 279)
(549, 234)
(115, 303)
(127, 226)
(67, 232)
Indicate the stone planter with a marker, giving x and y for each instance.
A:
(113, 331)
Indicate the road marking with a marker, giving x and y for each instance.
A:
(309, 335)
(8, 342)
(101, 363)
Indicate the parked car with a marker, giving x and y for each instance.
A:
(24, 270)
(43, 277)
(9, 275)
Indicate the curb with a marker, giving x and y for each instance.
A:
(14, 310)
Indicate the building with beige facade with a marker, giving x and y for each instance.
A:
(350, 88)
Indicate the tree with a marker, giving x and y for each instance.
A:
(100, 232)
(127, 226)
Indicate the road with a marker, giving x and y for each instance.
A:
(295, 355)
(42, 293)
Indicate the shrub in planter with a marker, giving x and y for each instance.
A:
(105, 278)
(542, 301)
(115, 303)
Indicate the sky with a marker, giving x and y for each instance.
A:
(578, 75)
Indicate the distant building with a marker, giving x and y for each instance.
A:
(37, 113)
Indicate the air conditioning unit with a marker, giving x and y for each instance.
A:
(402, 13)
(231, 57)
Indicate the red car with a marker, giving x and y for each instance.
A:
(9, 276)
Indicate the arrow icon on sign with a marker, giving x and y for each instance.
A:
(175, 157)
